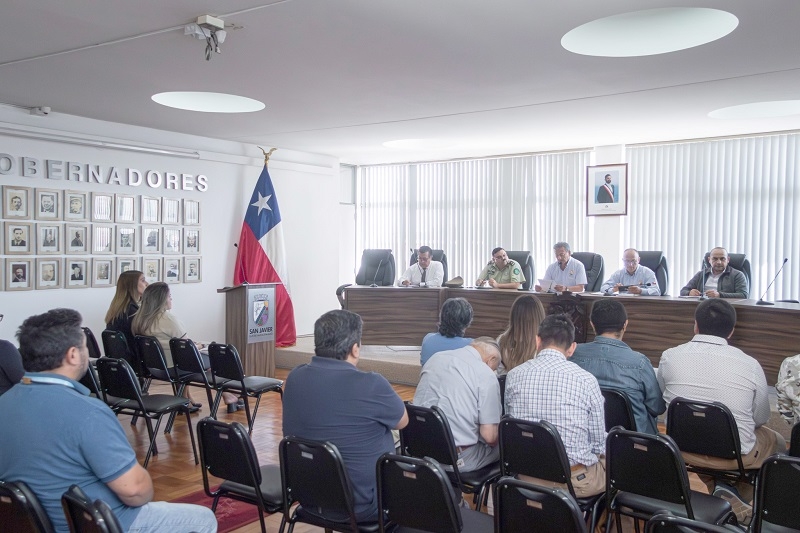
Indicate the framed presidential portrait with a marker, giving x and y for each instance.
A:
(151, 210)
(171, 211)
(47, 204)
(102, 239)
(77, 275)
(103, 273)
(19, 274)
(102, 207)
(191, 270)
(607, 190)
(125, 264)
(48, 274)
(126, 208)
(19, 237)
(17, 202)
(172, 269)
(172, 241)
(76, 238)
(48, 238)
(191, 213)
(76, 205)
(151, 267)
(191, 241)
(126, 239)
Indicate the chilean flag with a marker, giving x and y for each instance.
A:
(261, 257)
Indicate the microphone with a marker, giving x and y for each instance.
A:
(241, 266)
(492, 269)
(703, 279)
(761, 300)
(375, 279)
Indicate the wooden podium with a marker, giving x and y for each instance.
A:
(242, 305)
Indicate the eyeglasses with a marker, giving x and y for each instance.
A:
(630, 261)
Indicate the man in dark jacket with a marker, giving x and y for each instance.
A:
(719, 281)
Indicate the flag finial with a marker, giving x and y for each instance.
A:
(267, 154)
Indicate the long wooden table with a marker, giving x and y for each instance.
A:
(403, 316)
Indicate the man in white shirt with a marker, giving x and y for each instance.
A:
(569, 274)
(424, 273)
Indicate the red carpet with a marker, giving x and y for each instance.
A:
(231, 514)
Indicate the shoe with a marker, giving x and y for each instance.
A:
(742, 509)
(195, 404)
(193, 407)
(240, 403)
(232, 408)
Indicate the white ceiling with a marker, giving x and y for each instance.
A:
(340, 77)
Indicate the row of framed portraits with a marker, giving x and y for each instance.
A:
(47, 238)
(24, 274)
(26, 203)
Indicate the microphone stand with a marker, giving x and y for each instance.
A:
(761, 300)
(375, 279)
(703, 279)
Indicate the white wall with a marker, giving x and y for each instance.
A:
(307, 186)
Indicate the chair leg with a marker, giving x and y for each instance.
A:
(153, 449)
(251, 417)
(217, 401)
(178, 392)
(191, 435)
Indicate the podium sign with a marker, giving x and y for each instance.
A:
(261, 314)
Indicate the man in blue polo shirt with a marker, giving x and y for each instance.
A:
(55, 435)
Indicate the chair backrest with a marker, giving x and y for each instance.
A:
(525, 260)
(629, 454)
(655, 261)
(117, 379)
(436, 255)
(91, 344)
(668, 523)
(501, 380)
(20, 509)
(186, 357)
(428, 434)
(572, 306)
(794, 444)
(377, 266)
(776, 495)
(416, 493)
(153, 360)
(595, 269)
(707, 428)
(226, 452)
(304, 463)
(116, 345)
(618, 409)
(92, 382)
(533, 448)
(522, 506)
(84, 517)
(225, 361)
(738, 261)
(108, 516)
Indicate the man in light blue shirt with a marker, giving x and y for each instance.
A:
(633, 279)
(568, 274)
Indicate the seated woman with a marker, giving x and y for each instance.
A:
(155, 319)
(518, 341)
(125, 304)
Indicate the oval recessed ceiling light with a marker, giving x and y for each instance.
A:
(208, 102)
(778, 108)
(649, 32)
(419, 144)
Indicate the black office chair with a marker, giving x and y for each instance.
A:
(737, 261)
(83, 516)
(227, 453)
(667, 523)
(227, 369)
(415, 494)
(775, 506)
(115, 344)
(535, 449)
(794, 441)
(91, 344)
(522, 506)
(428, 435)
(377, 268)
(595, 269)
(655, 261)
(618, 410)
(192, 370)
(708, 428)
(329, 504)
(645, 475)
(502, 381)
(20, 509)
(525, 260)
(436, 255)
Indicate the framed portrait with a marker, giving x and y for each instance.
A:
(171, 211)
(77, 273)
(48, 238)
(48, 273)
(47, 205)
(172, 269)
(172, 241)
(191, 270)
(19, 274)
(103, 273)
(151, 267)
(102, 239)
(77, 238)
(151, 210)
(607, 190)
(151, 240)
(191, 241)
(102, 207)
(19, 238)
(126, 208)
(127, 263)
(126, 239)
(191, 213)
(76, 205)
(16, 202)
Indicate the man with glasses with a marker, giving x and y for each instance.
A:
(501, 272)
(633, 279)
(719, 281)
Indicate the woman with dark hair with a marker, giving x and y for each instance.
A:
(518, 341)
(125, 304)
(454, 319)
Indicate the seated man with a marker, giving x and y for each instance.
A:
(568, 274)
(633, 279)
(708, 369)
(455, 316)
(719, 281)
(788, 387)
(61, 436)
(426, 273)
(618, 367)
(551, 388)
(501, 272)
(464, 385)
(331, 400)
